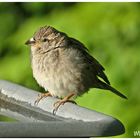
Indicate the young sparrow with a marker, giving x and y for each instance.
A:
(63, 66)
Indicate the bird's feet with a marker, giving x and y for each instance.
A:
(41, 96)
(62, 102)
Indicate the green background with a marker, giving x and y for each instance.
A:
(111, 32)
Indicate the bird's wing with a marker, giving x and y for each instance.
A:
(99, 69)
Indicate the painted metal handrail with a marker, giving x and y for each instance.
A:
(70, 120)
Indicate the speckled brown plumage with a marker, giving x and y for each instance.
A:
(63, 65)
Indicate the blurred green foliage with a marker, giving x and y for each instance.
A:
(6, 119)
(110, 31)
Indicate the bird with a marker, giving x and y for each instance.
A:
(64, 67)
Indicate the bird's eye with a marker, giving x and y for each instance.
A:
(45, 39)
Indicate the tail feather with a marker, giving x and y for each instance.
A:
(105, 86)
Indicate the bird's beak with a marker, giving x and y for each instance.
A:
(30, 42)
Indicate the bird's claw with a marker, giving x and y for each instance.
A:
(57, 104)
(40, 97)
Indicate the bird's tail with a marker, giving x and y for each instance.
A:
(105, 86)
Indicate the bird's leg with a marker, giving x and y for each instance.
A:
(62, 102)
(41, 96)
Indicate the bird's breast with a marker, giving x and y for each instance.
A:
(59, 74)
(43, 67)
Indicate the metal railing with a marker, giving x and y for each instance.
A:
(70, 120)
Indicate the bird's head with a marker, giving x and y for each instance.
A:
(47, 38)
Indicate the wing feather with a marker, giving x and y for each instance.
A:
(99, 69)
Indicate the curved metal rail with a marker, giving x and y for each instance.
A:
(70, 120)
